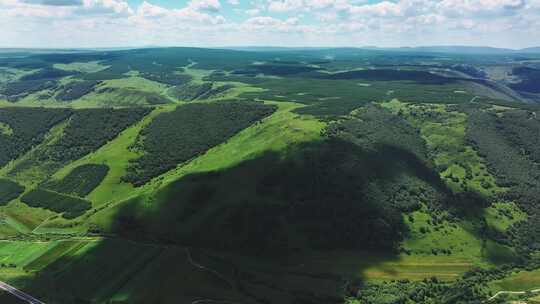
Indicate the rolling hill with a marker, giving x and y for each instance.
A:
(190, 175)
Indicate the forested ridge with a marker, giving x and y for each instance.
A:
(175, 137)
(89, 129)
(29, 127)
(509, 143)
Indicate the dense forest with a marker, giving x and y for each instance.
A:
(89, 129)
(9, 190)
(80, 181)
(507, 142)
(69, 206)
(29, 126)
(75, 89)
(175, 137)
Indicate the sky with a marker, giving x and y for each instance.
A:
(284, 23)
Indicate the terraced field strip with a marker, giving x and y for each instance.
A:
(380, 266)
(61, 249)
(443, 270)
(21, 253)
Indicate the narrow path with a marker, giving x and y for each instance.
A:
(496, 295)
(204, 268)
(19, 294)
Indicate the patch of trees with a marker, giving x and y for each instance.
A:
(29, 126)
(190, 130)
(21, 88)
(80, 181)
(70, 206)
(402, 154)
(9, 190)
(75, 89)
(47, 73)
(112, 72)
(522, 129)
(390, 75)
(217, 90)
(133, 97)
(193, 91)
(168, 77)
(374, 126)
(89, 129)
(472, 287)
(335, 193)
(276, 69)
(530, 80)
(509, 144)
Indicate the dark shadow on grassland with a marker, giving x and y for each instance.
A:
(294, 227)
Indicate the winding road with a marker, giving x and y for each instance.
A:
(512, 293)
(19, 294)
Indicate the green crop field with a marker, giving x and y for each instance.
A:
(186, 175)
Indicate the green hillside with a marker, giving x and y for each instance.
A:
(180, 175)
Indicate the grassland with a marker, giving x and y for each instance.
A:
(519, 281)
(501, 216)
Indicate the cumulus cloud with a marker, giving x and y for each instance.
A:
(55, 2)
(299, 22)
(381, 9)
(190, 15)
(205, 5)
(115, 8)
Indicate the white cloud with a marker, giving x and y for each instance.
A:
(205, 5)
(118, 8)
(282, 22)
(382, 9)
(55, 2)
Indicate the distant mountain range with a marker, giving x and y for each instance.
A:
(469, 49)
(456, 49)
(453, 49)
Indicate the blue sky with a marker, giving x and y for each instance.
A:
(214, 23)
